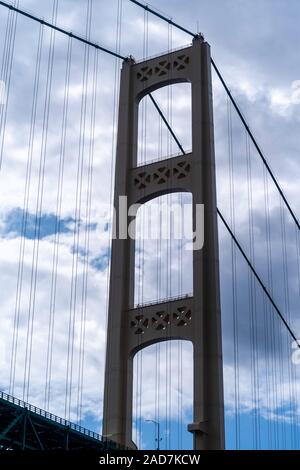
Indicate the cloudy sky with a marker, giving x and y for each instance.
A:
(58, 123)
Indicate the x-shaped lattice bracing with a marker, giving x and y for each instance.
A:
(181, 62)
(161, 319)
(142, 179)
(182, 316)
(163, 68)
(144, 74)
(181, 170)
(140, 324)
(161, 175)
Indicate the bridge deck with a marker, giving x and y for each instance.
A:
(24, 426)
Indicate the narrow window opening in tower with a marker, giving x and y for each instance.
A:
(155, 140)
(163, 396)
(163, 258)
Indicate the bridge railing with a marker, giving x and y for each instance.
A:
(162, 301)
(52, 417)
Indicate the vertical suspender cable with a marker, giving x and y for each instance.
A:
(85, 229)
(286, 296)
(7, 74)
(38, 214)
(252, 300)
(77, 218)
(266, 323)
(270, 323)
(297, 241)
(17, 308)
(87, 238)
(4, 65)
(56, 244)
(234, 277)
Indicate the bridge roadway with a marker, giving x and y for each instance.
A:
(26, 427)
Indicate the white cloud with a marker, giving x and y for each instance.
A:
(284, 101)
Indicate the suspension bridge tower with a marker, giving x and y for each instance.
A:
(130, 329)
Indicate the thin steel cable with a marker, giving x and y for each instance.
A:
(169, 127)
(269, 296)
(265, 307)
(270, 324)
(297, 240)
(7, 81)
(171, 247)
(276, 310)
(286, 295)
(162, 17)
(158, 274)
(60, 30)
(190, 33)
(5, 62)
(139, 274)
(279, 353)
(159, 292)
(85, 228)
(25, 207)
(78, 222)
(38, 214)
(266, 292)
(252, 300)
(22, 12)
(5, 54)
(298, 258)
(5, 43)
(58, 212)
(259, 151)
(234, 277)
(167, 276)
(22, 238)
(87, 239)
(139, 267)
(142, 224)
(265, 288)
(180, 342)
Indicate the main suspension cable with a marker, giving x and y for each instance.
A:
(168, 20)
(259, 279)
(61, 30)
(190, 33)
(256, 274)
(176, 25)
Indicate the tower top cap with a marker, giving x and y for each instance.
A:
(199, 37)
(130, 60)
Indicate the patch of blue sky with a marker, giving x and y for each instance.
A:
(92, 423)
(173, 434)
(250, 431)
(79, 250)
(100, 263)
(18, 223)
